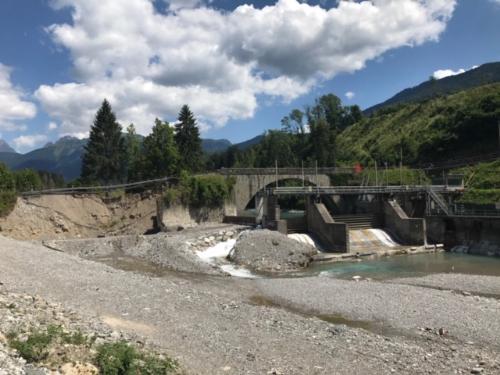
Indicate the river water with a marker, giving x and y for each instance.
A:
(410, 266)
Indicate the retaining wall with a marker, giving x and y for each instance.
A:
(333, 236)
(473, 235)
(408, 231)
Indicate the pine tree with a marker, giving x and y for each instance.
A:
(187, 138)
(160, 152)
(103, 158)
(134, 155)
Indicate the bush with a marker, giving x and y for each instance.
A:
(7, 180)
(199, 191)
(119, 358)
(28, 180)
(35, 348)
(7, 202)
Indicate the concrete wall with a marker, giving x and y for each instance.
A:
(473, 235)
(407, 231)
(333, 236)
(173, 217)
(247, 186)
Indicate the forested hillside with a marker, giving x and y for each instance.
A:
(442, 128)
(483, 75)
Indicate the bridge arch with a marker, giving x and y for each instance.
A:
(248, 185)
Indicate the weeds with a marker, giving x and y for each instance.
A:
(119, 358)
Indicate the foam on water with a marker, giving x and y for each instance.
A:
(221, 250)
(218, 254)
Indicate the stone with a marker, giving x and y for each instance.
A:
(79, 369)
(356, 278)
(476, 370)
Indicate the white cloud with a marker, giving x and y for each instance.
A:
(25, 143)
(52, 126)
(13, 108)
(443, 73)
(350, 95)
(149, 64)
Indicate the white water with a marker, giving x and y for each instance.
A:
(384, 237)
(218, 254)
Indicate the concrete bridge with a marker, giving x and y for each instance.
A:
(250, 181)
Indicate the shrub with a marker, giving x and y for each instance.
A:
(7, 202)
(35, 348)
(199, 191)
(28, 180)
(119, 358)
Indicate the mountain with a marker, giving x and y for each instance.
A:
(483, 75)
(251, 142)
(4, 147)
(64, 157)
(444, 128)
(211, 146)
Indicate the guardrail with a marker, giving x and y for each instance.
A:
(285, 171)
(96, 189)
(334, 190)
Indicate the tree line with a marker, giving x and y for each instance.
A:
(306, 136)
(110, 156)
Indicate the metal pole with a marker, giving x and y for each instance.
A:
(376, 174)
(317, 186)
(276, 165)
(386, 175)
(303, 175)
(401, 167)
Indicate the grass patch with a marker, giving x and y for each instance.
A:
(119, 358)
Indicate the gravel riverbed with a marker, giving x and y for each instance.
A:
(223, 325)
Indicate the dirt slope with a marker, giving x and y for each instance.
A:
(65, 216)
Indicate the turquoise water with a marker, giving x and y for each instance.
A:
(411, 266)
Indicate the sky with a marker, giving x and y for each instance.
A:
(240, 65)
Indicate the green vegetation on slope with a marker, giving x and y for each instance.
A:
(482, 182)
(483, 75)
(443, 128)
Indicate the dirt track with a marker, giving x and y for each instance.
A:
(220, 325)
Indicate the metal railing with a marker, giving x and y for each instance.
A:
(285, 171)
(335, 190)
(96, 189)
(443, 206)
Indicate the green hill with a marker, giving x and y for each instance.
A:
(443, 128)
(483, 75)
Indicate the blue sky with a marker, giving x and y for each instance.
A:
(240, 70)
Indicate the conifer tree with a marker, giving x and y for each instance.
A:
(187, 138)
(103, 158)
(160, 152)
(134, 155)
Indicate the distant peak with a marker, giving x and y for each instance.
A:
(5, 147)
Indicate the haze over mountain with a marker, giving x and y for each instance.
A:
(482, 75)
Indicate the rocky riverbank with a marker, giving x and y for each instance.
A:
(221, 325)
(38, 337)
(268, 251)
